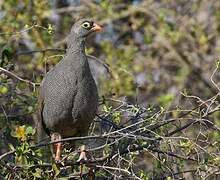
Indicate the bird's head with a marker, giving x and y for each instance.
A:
(83, 28)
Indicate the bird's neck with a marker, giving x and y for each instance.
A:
(76, 52)
(75, 45)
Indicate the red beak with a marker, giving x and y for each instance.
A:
(96, 28)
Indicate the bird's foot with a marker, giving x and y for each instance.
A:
(83, 155)
(82, 158)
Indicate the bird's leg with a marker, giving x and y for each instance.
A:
(56, 147)
(82, 158)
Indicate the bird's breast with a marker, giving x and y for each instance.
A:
(86, 100)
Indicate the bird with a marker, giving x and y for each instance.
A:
(68, 95)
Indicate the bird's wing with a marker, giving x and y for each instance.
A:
(39, 124)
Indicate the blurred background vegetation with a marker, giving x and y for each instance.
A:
(152, 53)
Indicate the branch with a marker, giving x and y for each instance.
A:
(76, 139)
(106, 66)
(6, 154)
(40, 51)
(14, 76)
(181, 128)
(214, 72)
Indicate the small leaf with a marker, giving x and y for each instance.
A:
(11, 147)
(30, 130)
(3, 89)
(107, 108)
(50, 29)
(56, 169)
(38, 173)
(26, 26)
(117, 117)
(7, 53)
(30, 109)
(203, 40)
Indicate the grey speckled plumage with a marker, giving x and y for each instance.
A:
(68, 96)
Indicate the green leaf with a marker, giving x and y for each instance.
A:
(6, 54)
(11, 147)
(166, 99)
(30, 130)
(38, 173)
(117, 117)
(50, 29)
(3, 89)
(56, 169)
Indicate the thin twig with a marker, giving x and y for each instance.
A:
(14, 76)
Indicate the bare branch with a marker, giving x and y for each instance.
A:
(14, 76)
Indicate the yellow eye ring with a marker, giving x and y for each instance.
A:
(86, 25)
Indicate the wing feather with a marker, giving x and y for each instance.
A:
(40, 126)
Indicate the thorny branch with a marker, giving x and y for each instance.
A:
(134, 133)
(90, 57)
(14, 76)
(143, 135)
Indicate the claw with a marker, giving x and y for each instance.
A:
(85, 157)
(82, 156)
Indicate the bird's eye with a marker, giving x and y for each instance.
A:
(86, 25)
